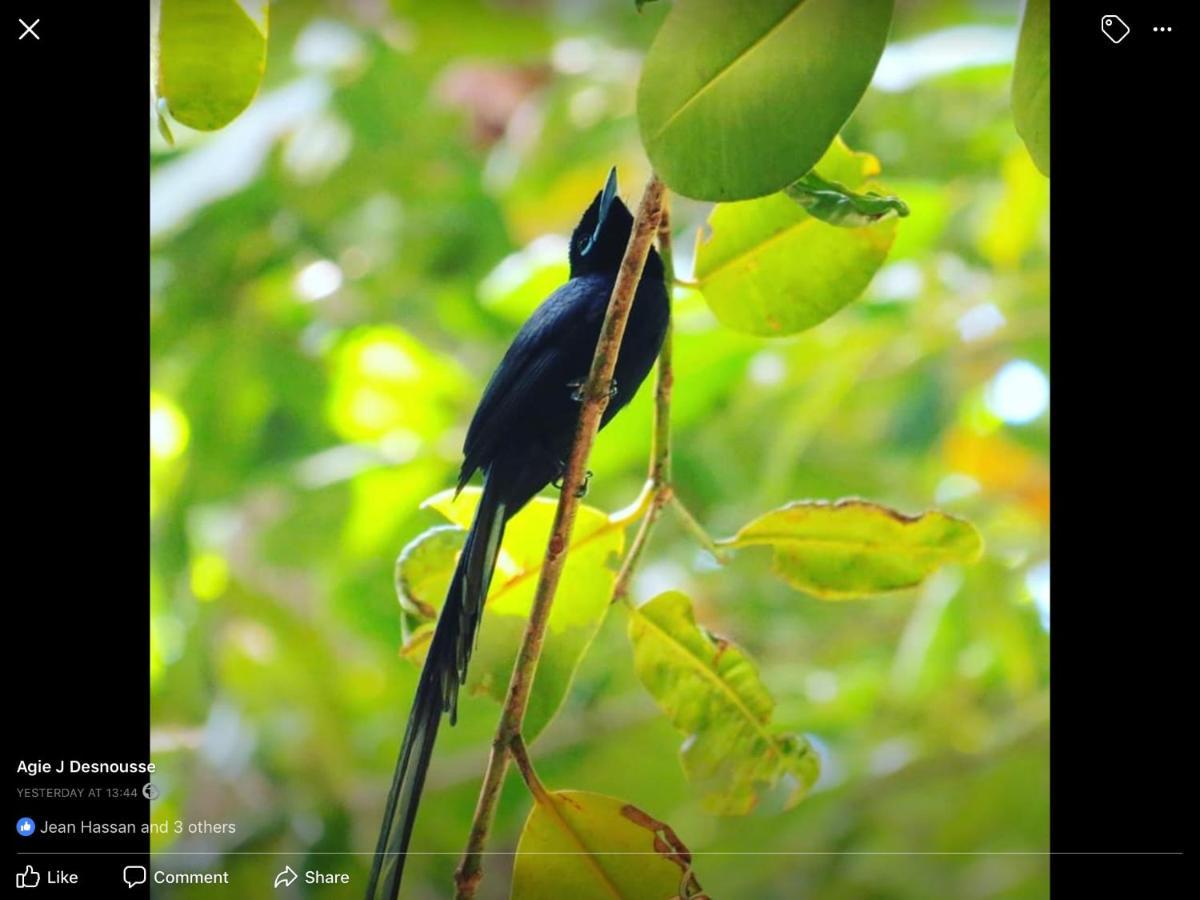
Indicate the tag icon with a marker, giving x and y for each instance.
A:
(1114, 28)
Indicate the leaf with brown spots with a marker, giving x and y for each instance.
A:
(711, 691)
(853, 548)
(594, 847)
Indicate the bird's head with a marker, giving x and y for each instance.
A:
(599, 240)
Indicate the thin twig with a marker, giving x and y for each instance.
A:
(520, 754)
(633, 557)
(595, 398)
(659, 480)
(664, 374)
(693, 526)
(635, 510)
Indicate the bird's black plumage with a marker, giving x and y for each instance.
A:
(519, 439)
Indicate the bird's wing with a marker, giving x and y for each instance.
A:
(546, 351)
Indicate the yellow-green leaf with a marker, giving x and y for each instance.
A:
(739, 99)
(425, 566)
(592, 847)
(771, 268)
(423, 569)
(852, 548)
(711, 691)
(1031, 83)
(211, 57)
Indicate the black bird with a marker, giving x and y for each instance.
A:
(520, 437)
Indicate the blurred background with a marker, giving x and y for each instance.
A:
(333, 278)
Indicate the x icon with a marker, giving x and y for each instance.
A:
(29, 29)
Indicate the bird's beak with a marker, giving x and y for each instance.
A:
(606, 199)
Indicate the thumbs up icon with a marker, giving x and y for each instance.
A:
(29, 878)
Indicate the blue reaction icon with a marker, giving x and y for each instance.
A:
(26, 826)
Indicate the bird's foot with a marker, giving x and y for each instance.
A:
(580, 491)
(576, 387)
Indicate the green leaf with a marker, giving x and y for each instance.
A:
(211, 57)
(1031, 83)
(836, 204)
(422, 574)
(738, 100)
(425, 566)
(852, 548)
(160, 118)
(770, 268)
(593, 847)
(711, 691)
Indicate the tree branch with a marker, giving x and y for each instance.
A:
(520, 755)
(595, 399)
(664, 374)
(659, 483)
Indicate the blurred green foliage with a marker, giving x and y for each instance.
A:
(334, 276)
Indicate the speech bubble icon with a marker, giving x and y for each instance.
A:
(135, 875)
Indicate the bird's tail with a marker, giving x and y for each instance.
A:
(444, 671)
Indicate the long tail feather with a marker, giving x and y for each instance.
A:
(444, 671)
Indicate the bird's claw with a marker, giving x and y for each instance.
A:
(576, 387)
(581, 491)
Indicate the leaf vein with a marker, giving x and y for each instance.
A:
(756, 248)
(774, 539)
(712, 676)
(724, 70)
(556, 814)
